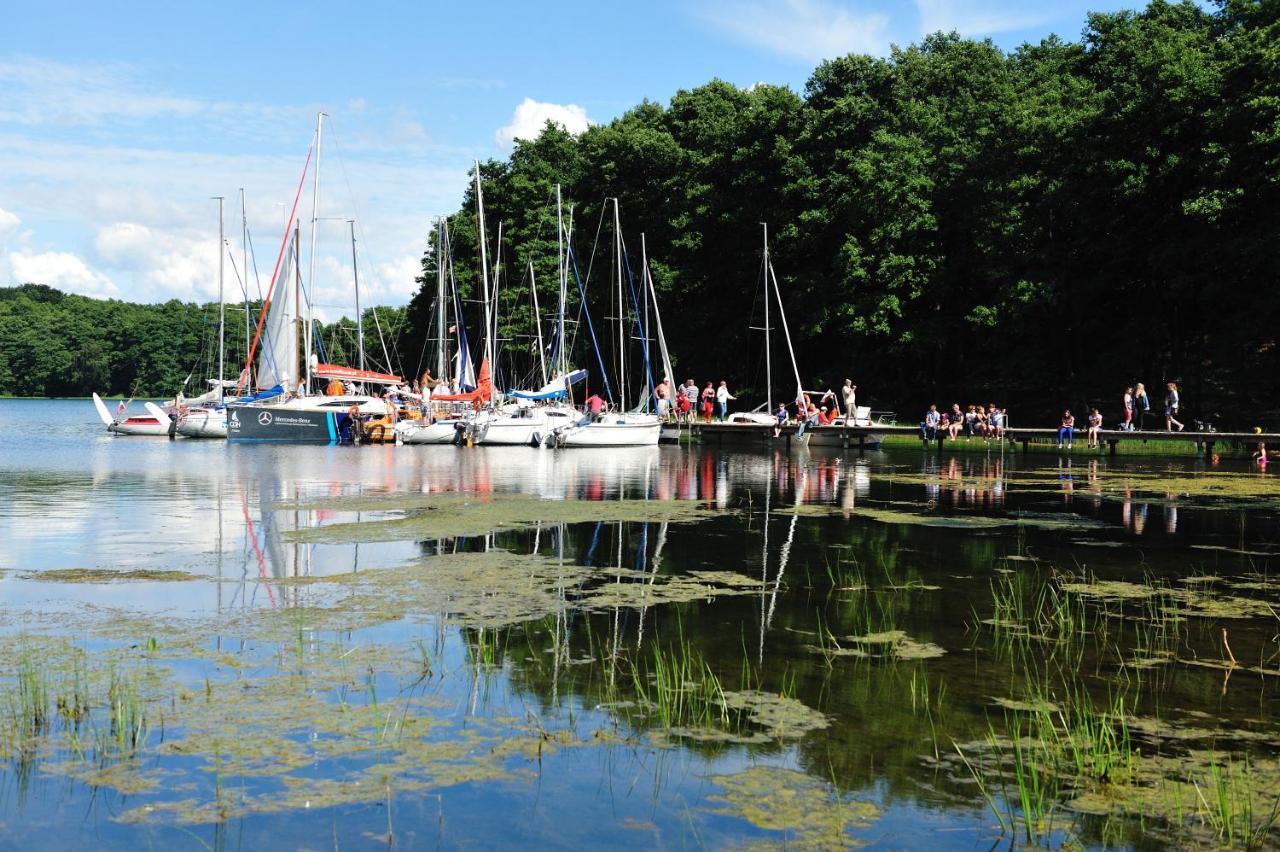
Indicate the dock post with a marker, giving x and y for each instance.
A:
(1111, 445)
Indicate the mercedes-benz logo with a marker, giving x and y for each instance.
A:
(264, 418)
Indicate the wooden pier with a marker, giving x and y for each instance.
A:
(864, 438)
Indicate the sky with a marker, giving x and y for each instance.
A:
(120, 122)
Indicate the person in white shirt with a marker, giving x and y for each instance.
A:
(850, 394)
(722, 398)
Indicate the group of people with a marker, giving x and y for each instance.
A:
(1136, 404)
(974, 422)
(684, 404)
(1137, 407)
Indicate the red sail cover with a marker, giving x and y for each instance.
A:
(482, 393)
(337, 371)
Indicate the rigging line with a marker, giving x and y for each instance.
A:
(262, 317)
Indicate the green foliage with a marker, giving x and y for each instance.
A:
(950, 221)
(58, 344)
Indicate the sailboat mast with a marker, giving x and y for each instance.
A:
(537, 324)
(311, 264)
(786, 332)
(222, 306)
(622, 340)
(497, 274)
(484, 267)
(562, 355)
(768, 341)
(295, 372)
(244, 265)
(442, 354)
(355, 274)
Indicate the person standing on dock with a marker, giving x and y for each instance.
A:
(1171, 408)
(1067, 429)
(1128, 411)
(1141, 404)
(689, 392)
(708, 401)
(850, 396)
(663, 393)
(722, 399)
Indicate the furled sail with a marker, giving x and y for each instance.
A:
(278, 358)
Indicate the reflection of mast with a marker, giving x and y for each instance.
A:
(782, 567)
(764, 561)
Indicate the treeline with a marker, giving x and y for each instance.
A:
(949, 223)
(58, 344)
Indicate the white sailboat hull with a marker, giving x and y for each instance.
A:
(510, 429)
(203, 423)
(440, 432)
(148, 426)
(613, 430)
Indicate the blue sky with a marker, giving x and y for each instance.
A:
(119, 121)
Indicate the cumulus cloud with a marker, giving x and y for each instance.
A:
(531, 116)
(60, 269)
(811, 30)
(163, 264)
(9, 223)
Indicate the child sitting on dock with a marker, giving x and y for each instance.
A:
(1095, 427)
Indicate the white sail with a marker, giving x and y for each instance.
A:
(278, 357)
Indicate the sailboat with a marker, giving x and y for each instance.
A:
(532, 416)
(281, 415)
(619, 428)
(447, 419)
(766, 418)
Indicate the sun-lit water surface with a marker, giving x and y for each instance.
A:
(520, 660)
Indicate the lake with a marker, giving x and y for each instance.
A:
(241, 645)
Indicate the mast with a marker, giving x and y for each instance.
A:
(786, 332)
(442, 355)
(768, 357)
(355, 273)
(222, 306)
(244, 264)
(311, 264)
(484, 267)
(562, 355)
(537, 323)
(296, 372)
(497, 274)
(622, 340)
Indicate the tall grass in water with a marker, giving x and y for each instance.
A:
(127, 717)
(679, 686)
(1226, 796)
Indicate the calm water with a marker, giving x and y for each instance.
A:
(229, 662)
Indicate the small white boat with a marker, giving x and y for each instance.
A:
(611, 430)
(148, 424)
(440, 432)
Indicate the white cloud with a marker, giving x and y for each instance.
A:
(60, 269)
(531, 116)
(162, 264)
(982, 17)
(811, 30)
(9, 223)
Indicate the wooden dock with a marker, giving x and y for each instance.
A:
(864, 438)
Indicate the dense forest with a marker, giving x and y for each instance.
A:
(949, 222)
(57, 344)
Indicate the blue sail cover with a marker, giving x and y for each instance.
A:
(557, 389)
